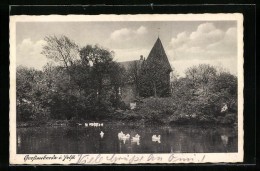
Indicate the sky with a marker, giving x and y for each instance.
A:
(186, 43)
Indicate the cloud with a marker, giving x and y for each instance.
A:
(29, 54)
(122, 34)
(181, 65)
(127, 34)
(141, 30)
(207, 42)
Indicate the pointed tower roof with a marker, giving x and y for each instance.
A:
(157, 56)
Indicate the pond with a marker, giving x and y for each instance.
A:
(84, 140)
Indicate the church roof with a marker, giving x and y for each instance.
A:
(157, 56)
(129, 64)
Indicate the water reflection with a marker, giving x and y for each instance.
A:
(176, 139)
(101, 134)
(224, 139)
(19, 141)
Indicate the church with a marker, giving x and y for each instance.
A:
(147, 77)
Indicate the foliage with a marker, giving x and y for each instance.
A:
(29, 92)
(204, 91)
(152, 110)
(61, 49)
(154, 80)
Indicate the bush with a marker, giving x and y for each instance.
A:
(152, 110)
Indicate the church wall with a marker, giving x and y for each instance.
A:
(128, 93)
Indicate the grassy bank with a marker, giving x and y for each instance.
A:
(167, 111)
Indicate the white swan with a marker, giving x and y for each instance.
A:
(120, 134)
(156, 139)
(136, 138)
(101, 124)
(123, 137)
(101, 134)
(86, 124)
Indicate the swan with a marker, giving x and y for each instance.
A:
(120, 134)
(79, 124)
(86, 124)
(101, 134)
(101, 124)
(155, 138)
(136, 138)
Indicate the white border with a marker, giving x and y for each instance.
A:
(127, 158)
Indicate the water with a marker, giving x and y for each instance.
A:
(81, 140)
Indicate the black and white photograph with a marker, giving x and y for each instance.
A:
(126, 89)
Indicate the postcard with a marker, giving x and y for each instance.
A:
(126, 89)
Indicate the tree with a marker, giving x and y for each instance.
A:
(61, 49)
(204, 91)
(64, 51)
(102, 65)
(81, 85)
(30, 90)
(133, 74)
(201, 75)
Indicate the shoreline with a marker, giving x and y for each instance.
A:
(140, 123)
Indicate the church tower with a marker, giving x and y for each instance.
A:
(155, 79)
